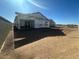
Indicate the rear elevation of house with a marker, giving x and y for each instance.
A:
(32, 20)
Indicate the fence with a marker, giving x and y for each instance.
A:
(6, 35)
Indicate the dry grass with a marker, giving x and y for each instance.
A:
(59, 47)
(9, 56)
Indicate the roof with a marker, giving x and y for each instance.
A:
(3, 19)
(35, 15)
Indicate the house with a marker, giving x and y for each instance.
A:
(52, 23)
(31, 20)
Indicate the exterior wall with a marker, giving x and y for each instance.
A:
(41, 24)
(52, 23)
(38, 24)
(22, 22)
(17, 22)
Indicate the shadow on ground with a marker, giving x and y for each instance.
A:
(34, 35)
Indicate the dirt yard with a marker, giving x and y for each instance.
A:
(57, 46)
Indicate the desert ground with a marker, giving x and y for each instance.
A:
(51, 46)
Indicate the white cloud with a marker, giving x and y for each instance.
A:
(37, 5)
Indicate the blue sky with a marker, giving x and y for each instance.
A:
(61, 11)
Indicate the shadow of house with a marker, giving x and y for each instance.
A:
(33, 35)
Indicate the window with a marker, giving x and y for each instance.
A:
(46, 23)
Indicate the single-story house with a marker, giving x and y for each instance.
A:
(52, 23)
(31, 20)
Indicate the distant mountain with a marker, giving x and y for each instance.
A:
(67, 25)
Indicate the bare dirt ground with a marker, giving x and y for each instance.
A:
(7, 49)
(23, 37)
(52, 47)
